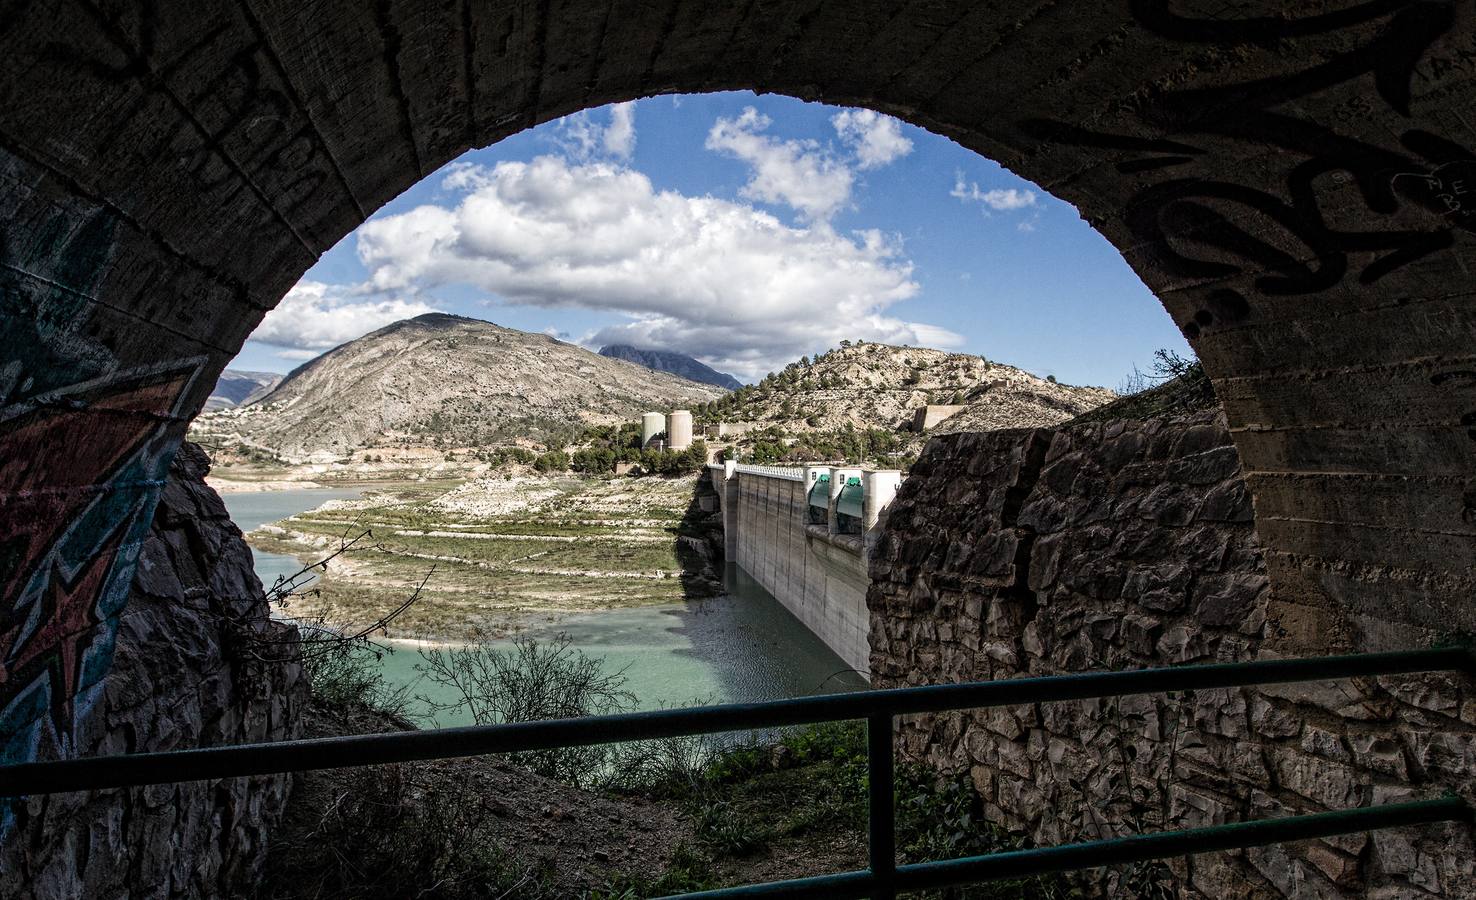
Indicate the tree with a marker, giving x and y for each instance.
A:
(694, 457)
(552, 461)
(593, 461)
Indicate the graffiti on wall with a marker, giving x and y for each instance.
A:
(1302, 240)
(83, 467)
(84, 449)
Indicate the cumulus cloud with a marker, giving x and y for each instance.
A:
(298, 355)
(793, 172)
(1004, 200)
(876, 139)
(815, 180)
(717, 279)
(580, 137)
(620, 137)
(997, 199)
(315, 316)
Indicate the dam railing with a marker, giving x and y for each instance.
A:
(883, 878)
(785, 473)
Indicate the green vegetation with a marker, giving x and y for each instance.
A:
(809, 790)
(870, 445)
(502, 457)
(552, 461)
(1174, 385)
(596, 451)
(531, 682)
(434, 831)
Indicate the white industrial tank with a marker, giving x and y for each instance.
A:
(679, 429)
(652, 424)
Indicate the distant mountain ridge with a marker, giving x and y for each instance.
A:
(670, 361)
(238, 387)
(446, 381)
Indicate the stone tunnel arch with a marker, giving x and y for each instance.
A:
(1300, 192)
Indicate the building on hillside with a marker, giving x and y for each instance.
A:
(721, 430)
(925, 417)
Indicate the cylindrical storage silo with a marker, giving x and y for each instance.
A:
(652, 424)
(679, 429)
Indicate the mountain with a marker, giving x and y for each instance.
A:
(675, 363)
(446, 381)
(870, 385)
(237, 387)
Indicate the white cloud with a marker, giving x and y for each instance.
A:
(315, 316)
(719, 280)
(583, 139)
(876, 139)
(997, 199)
(796, 173)
(298, 355)
(620, 136)
(1004, 200)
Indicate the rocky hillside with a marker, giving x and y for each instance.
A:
(443, 380)
(675, 363)
(869, 385)
(237, 387)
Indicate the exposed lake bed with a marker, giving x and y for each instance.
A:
(608, 572)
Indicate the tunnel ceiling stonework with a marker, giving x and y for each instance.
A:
(1298, 189)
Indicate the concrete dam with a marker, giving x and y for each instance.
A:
(805, 535)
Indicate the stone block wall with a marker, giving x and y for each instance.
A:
(1127, 545)
(183, 676)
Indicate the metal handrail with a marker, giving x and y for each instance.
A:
(878, 708)
(783, 473)
(1016, 864)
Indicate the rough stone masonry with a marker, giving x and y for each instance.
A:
(1127, 545)
(184, 675)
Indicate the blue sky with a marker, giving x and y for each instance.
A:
(740, 229)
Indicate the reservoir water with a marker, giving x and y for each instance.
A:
(741, 646)
(251, 510)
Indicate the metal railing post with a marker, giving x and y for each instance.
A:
(881, 808)
(879, 709)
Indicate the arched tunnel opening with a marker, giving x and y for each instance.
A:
(1294, 187)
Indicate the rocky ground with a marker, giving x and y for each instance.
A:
(396, 827)
(482, 827)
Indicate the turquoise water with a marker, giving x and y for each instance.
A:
(741, 646)
(251, 510)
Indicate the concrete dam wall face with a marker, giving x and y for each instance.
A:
(793, 534)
